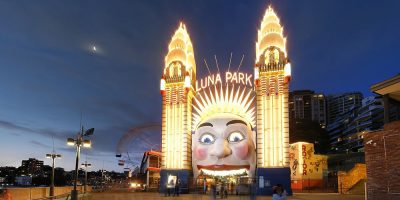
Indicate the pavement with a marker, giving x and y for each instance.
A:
(158, 196)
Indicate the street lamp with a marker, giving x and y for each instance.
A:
(53, 156)
(79, 142)
(86, 165)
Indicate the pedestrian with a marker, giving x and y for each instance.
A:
(170, 186)
(278, 192)
(253, 189)
(225, 191)
(213, 192)
(283, 191)
(221, 190)
(205, 186)
(177, 187)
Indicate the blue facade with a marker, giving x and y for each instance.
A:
(182, 174)
(268, 177)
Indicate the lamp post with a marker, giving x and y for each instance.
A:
(79, 142)
(53, 156)
(86, 165)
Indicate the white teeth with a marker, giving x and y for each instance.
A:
(234, 172)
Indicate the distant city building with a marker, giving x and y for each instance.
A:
(31, 166)
(8, 171)
(339, 105)
(390, 92)
(306, 104)
(7, 175)
(23, 180)
(346, 132)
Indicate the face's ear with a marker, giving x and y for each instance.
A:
(193, 140)
(253, 138)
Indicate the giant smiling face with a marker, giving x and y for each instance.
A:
(223, 145)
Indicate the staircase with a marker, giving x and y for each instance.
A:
(351, 181)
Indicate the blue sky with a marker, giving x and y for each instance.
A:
(49, 75)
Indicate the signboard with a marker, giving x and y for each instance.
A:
(227, 78)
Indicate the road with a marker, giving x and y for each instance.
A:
(157, 196)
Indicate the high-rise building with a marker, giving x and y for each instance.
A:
(306, 104)
(346, 132)
(340, 104)
(31, 166)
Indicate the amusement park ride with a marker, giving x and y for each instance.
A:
(135, 142)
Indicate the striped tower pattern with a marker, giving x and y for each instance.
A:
(272, 76)
(177, 90)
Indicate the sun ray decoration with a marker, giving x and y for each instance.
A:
(231, 99)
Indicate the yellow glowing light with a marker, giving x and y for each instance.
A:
(87, 143)
(233, 100)
(270, 34)
(272, 93)
(187, 81)
(288, 69)
(272, 122)
(70, 142)
(225, 172)
(181, 49)
(162, 84)
(177, 91)
(256, 73)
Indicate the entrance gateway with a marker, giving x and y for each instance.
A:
(229, 126)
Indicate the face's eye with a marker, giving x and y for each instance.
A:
(235, 137)
(207, 138)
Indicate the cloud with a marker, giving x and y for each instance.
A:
(43, 132)
(39, 144)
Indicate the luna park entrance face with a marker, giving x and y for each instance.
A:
(220, 185)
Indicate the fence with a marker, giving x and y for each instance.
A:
(40, 192)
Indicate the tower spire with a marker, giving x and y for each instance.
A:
(177, 89)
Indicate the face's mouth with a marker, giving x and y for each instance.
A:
(223, 167)
(224, 170)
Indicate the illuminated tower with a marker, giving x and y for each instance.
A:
(177, 89)
(272, 76)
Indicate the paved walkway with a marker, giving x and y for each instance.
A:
(157, 196)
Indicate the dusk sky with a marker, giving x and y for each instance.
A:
(50, 74)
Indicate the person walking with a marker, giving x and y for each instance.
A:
(225, 191)
(221, 190)
(205, 186)
(213, 192)
(170, 186)
(278, 192)
(253, 189)
(177, 187)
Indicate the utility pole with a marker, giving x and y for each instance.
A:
(86, 165)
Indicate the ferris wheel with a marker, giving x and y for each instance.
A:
(135, 142)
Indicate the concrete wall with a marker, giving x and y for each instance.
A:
(382, 157)
(40, 192)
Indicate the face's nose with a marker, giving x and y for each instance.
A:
(220, 149)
